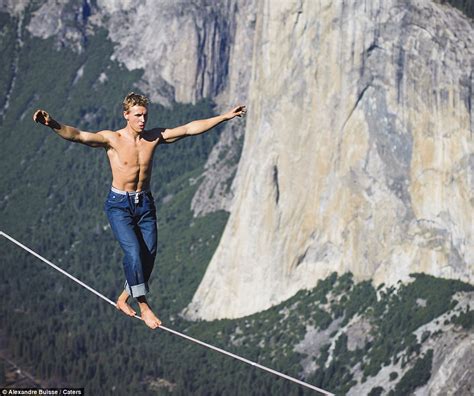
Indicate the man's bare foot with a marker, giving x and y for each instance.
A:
(150, 319)
(123, 306)
(147, 314)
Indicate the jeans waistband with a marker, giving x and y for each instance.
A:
(121, 192)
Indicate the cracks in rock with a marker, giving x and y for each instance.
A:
(469, 104)
(372, 47)
(399, 73)
(276, 184)
(82, 16)
(301, 258)
(299, 11)
(214, 35)
(359, 98)
(86, 11)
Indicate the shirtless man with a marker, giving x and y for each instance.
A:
(130, 206)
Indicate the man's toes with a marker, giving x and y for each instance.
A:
(150, 325)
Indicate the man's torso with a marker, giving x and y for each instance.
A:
(131, 160)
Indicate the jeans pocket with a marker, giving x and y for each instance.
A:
(114, 198)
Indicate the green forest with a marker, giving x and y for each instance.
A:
(52, 198)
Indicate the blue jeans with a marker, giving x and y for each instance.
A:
(132, 217)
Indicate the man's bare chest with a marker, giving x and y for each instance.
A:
(126, 153)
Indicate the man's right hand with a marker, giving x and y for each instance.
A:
(42, 117)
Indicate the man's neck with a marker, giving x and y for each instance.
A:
(133, 134)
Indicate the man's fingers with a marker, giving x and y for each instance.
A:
(38, 115)
(240, 110)
(41, 116)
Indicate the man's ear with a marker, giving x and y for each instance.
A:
(125, 115)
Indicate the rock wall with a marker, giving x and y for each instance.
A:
(357, 154)
(216, 191)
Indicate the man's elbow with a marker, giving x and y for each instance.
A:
(80, 138)
(69, 138)
(75, 138)
(188, 130)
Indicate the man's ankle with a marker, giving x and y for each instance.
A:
(142, 302)
(124, 295)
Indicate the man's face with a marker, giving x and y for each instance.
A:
(136, 117)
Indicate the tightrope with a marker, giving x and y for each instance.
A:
(161, 327)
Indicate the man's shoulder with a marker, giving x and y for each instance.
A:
(111, 135)
(153, 135)
(108, 132)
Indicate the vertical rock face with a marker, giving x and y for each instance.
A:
(357, 155)
(181, 46)
(188, 50)
(215, 192)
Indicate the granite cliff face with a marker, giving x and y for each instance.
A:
(358, 144)
(357, 153)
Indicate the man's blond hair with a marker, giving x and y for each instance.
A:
(133, 99)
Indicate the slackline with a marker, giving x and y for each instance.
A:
(161, 327)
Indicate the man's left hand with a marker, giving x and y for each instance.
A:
(238, 111)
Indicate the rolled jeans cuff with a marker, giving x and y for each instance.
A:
(137, 290)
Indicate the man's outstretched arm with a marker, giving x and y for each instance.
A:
(200, 126)
(70, 133)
